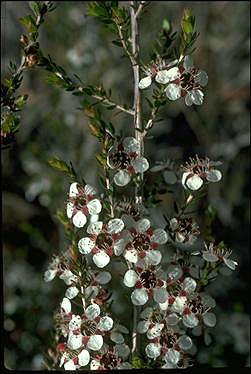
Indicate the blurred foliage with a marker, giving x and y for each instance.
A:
(54, 128)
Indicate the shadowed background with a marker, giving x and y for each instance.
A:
(52, 125)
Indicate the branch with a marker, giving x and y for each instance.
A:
(119, 107)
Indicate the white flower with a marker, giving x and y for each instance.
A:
(81, 203)
(157, 71)
(104, 240)
(68, 277)
(125, 158)
(186, 81)
(215, 253)
(197, 172)
(142, 242)
(184, 229)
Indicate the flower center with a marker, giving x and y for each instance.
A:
(120, 160)
(141, 242)
(104, 241)
(187, 80)
(148, 279)
(80, 201)
(109, 360)
(196, 306)
(167, 338)
(88, 327)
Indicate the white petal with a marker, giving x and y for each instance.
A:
(164, 76)
(94, 218)
(209, 319)
(75, 341)
(103, 277)
(159, 236)
(117, 337)
(210, 257)
(121, 328)
(153, 257)
(95, 342)
(201, 78)
(194, 182)
(124, 366)
(101, 259)
(168, 75)
(169, 177)
(185, 342)
(131, 144)
(91, 291)
(68, 277)
(66, 305)
(131, 255)
(145, 82)
(197, 96)
(122, 350)
(164, 306)
(172, 356)
(92, 311)
(179, 304)
(69, 365)
(173, 319)
(119, 247)
(105, 323)
(214, 175)
(75, 322)
(83, 357)
(230, 263)
(207, 300)
(73, 189)
(140, 164)
(79, 219)
(95, 228)
(173, 224)
(115, 226)
(153, 350)
(160, 295)
(155, 331)
(190, 320)
(69, 209)
(188, 99)
(173, 91)
(139, 296)
(94, 206)
(95, 364)
(174, 272)
(89, 190)
(189, 284)
(147, 312)
(188, 62)
(122, 178)
(71, 292)
(143, 326)
(49, 275)
(130, 278)
(85, 245)
(143, 225)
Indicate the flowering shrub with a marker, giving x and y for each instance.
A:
(177, 308)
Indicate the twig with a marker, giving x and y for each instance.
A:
(119, 107)
(141, 5)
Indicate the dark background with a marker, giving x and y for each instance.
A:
(52, 126)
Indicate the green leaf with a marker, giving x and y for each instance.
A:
(61, 165)
(35, 7)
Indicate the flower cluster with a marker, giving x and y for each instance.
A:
(182, 81)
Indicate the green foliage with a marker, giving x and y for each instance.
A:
(61, 165)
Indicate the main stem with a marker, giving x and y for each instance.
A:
(138, 126)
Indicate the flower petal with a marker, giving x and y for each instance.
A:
(159, 236)
(95, 228)
(197, 96)
(66, 305)
(131, 144)
(73, 189)
(89, 190)
(173, 91)
(214, 175)
(164, 76)
(209, 319)
(92, 311)
(85, 245)
(49, 275)
(185, 342)
(130, 278)
(201, 78)
(140, 164)
(169, 177)
(131, 255)
(143, 326)
(188, 62)
(105, 323)
(75, 323)
(142, 225)
(115, 226)
(69, 209)
(117, 337)
(69, 365)
(121, 178)
(145, 82)
(230, 263)
(153, 257)
(172, 356)
(147, 312)
(119, 247)
(189, 284)
(83, 357)
(122, 350)
(210, 257)
(153, 350)
(172, 319)
(79, 219)
(194, 182)
(190, 320)
(103, 277)
(95, 342)
(174, 271)
(160, 295)
(139, 296)
(101, 259)
(179, 304)
(155, 331)
(94, 206)
(71, 292)
(75, 341)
